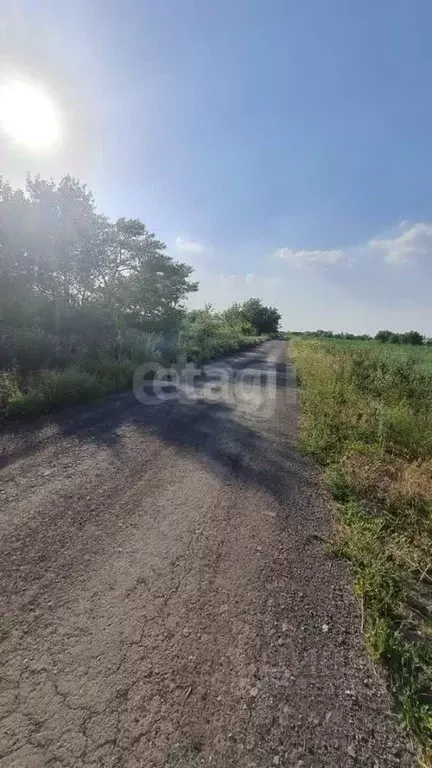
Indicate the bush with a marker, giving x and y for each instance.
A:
(207, 335)
(28, 349)
(49, 389)
(9, 389)
(77, 370)
(69, 386)
(113, 374)
(27, 405)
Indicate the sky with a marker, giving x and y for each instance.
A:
(281, 147)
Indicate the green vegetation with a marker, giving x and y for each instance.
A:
(84, 301)
(184, 756)
(322, 334)
(367, 416)
(409, 337)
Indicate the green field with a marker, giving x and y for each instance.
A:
(421, 355)
(367, 417)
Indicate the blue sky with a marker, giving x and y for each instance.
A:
(283, 148)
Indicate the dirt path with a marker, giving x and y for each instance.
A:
(167, 599)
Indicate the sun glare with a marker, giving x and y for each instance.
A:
(28, 115)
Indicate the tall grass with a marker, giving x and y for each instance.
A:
(43, 371)
(367, 416)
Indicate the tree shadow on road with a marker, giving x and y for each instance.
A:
(247, 449)
(256, 447)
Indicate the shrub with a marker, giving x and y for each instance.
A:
(69, 386)
(140, 346)
(76, 370)
(27, 405)
(9, 389)
(28, 349)
(113, 374)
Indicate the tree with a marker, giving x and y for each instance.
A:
(265, 320)
(17, 271)
(235, 317)
(49, 240)
(413, 337)
(58, 253)
(66, 235)
(151, 297)
(383, 336)
(324, 334)
(143, 285)
(396, 338)
(410, 337)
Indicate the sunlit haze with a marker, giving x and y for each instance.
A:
(28, 115)
(281, 148)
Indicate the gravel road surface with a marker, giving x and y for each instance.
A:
(167, 598)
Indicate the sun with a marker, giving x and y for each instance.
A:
(28, 115)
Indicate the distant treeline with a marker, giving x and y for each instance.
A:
(385, 337)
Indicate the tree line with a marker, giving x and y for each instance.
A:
(59, 255)
(409, 337)
(385, 337)
(84, 300)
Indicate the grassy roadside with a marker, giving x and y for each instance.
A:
(368, 419)
(27, 397)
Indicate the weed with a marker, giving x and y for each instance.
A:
(9, 389)
(184, 756)
(52, 388)
(26, 405)
(368, 417)
(69, 386)
(85, 372)
(112, 374)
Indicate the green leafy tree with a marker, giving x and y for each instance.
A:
(57, 252)
(383, 336)
(396, 338)
(50, 239)
(259, 318)
(323, 334)
(66, 236)
(236, 318)
(17, 268)
(264, 319)
(413, 337)
(86, 299)
(144, 286)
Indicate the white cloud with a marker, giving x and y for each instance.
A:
(302, 258)
(412, 244)
(408, 244)
(189, 246)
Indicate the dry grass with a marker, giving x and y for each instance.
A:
(390, 480)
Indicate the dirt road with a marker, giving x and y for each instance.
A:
(166, 594)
